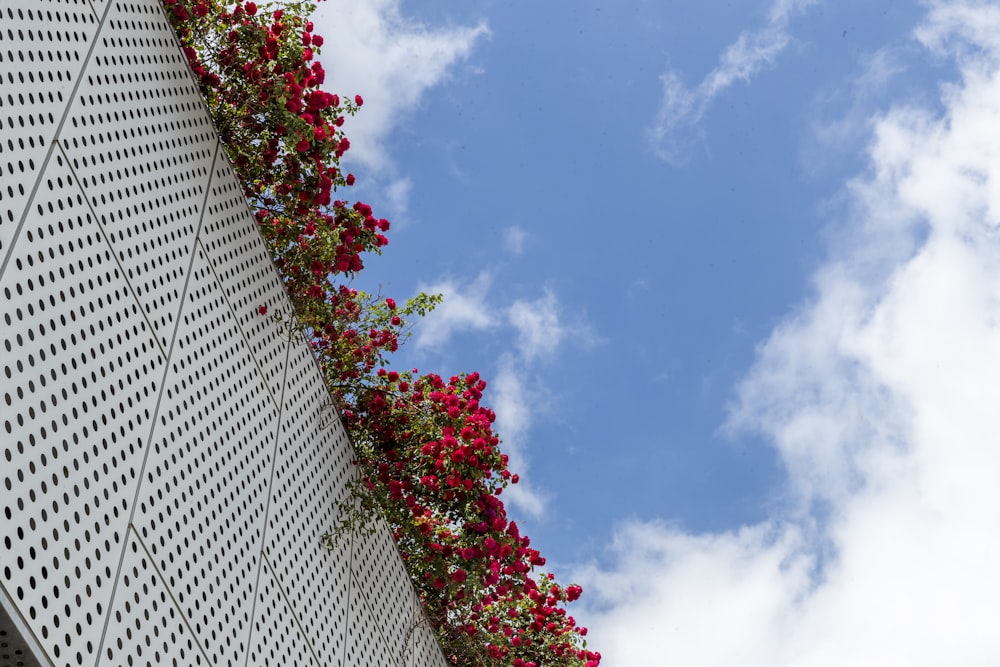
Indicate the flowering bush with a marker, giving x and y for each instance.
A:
(429, 460)
(433, 468)
(260, 78)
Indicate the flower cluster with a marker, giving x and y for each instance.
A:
(259, 74)
(430, 463)
(433, 468)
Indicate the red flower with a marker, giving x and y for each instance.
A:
(250, 8)
(262, 310)
(359, 100)
(350, 179)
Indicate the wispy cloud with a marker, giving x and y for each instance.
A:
(542, 328)
(514, 239)
(514, 400)
(677, 125)
(464, 308)
(850, 128)
(539, 329)
(391, 60)
(879, 395)
(530, 332)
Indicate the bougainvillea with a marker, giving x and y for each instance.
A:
(429, 461)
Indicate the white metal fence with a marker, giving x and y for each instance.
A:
(168, 459)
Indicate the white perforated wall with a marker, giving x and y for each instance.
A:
(170, 459)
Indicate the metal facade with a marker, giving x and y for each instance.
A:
(169, 458)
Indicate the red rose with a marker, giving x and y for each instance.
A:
(250, 8)
(359, 100)
(262, 310)
(350, 179)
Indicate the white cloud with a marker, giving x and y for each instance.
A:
(515, 393)
(541, 327)
(464, 308)
(373, 50)
(538, 326)
(847, 132)
(513, 400)
(541, 330)
(676, 127)
(514, 239)
(677, 599)
(397, 194)
(880, 397)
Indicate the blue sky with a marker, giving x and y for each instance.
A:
(731, 270)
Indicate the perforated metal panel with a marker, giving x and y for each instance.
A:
(205, 487)
(138, 137)
(43, 47)
(381, 575)
(243, 268)
(145, 626)
(81, 372)
(170, 459)
(310, 477)
(365, 643)
(279, 638)
(16, 644)
(424, 648)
